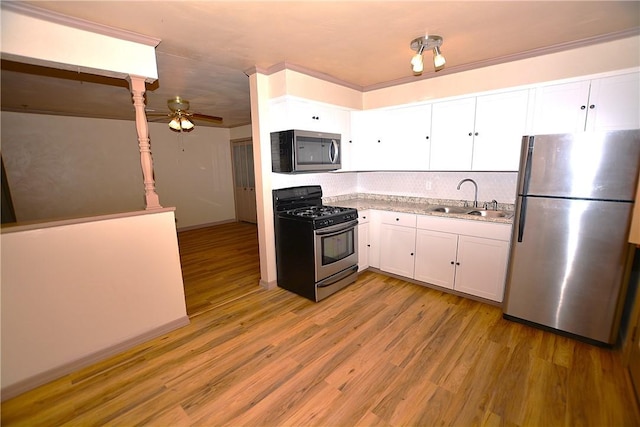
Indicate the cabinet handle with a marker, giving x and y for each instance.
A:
(350, 141)
(364, 217)
(470, 133)
(457, 263)
(315, 117)
(397, 219)
(476, 134)
(378, 141)
(368, 246)
(452, 262)
(591, 107)
(411, 253)
(427, 137)
(582, 107)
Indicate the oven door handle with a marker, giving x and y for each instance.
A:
(333, 279)
(335, 229)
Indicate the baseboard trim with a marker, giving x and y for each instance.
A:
(70, 367)
(208, 224)
(268, 285)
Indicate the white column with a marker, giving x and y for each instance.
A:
(137, 85)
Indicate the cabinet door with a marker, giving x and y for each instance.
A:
(363, 246)
(375, 218)
(436, 257)
(501, 121)
(614, 103)
(397, 247)
(411, 142)
(482, 267)
(290, 113)
(561, 108)
(368, 140)
(452, 128)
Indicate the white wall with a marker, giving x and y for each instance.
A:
(74, 292)
(60, 167)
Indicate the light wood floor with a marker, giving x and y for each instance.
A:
(381, 352)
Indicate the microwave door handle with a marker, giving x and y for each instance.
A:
(333, 151)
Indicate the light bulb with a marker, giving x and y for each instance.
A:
(186, 124)
(438, 59)
(416, 63)
(175, 124)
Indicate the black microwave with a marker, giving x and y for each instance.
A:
(304, 151)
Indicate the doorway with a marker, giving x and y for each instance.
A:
(244, 180)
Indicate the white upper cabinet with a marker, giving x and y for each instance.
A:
(369, 138)
(614, 103)
(481, 133)
(391, 138)
(501, 121)
(411, 142)
(608, 103)
(452, 127)
(291, 113)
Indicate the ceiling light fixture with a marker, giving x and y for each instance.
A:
(180, 122)
(427, 42)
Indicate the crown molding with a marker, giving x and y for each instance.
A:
(80, 24)
(510, 58)
(450, 69)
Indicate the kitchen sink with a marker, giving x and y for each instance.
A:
(470, 211)
(450, 209)
(489, 214)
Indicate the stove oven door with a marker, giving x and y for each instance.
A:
(336, 249)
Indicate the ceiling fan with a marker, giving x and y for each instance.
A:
(181, 119)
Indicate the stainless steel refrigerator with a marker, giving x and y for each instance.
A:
(569, 252)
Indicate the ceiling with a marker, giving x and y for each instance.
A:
(207, 46)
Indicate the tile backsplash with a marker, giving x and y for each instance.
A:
(500, 186)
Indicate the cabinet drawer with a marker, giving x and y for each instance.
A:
(399, 218)
(363, 217)
(488, 230)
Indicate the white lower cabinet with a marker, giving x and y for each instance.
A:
(468, 264)
(397, 243)
(363, 240)
(464, 255)
(435, 256)
(481, 267)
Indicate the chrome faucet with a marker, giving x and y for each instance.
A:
(475, 197)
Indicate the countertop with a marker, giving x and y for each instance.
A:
(414, 205)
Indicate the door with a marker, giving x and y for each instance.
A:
(584, 165)
(561, 108)
(634, 359)
(436, 257)
(244, 181)
(567, 264)
(363, 246)
(452, 128)
(501, 120)
(482, 266)
(397, 251)
(614, 103)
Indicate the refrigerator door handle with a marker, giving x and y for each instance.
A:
(521, 218)
(527, 168)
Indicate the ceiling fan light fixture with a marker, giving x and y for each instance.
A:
(185, 123)
(175, 124)
(429, 43)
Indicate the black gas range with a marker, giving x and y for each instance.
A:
(316, 245)
(322, 216)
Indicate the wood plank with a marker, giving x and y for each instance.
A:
(381, 352)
